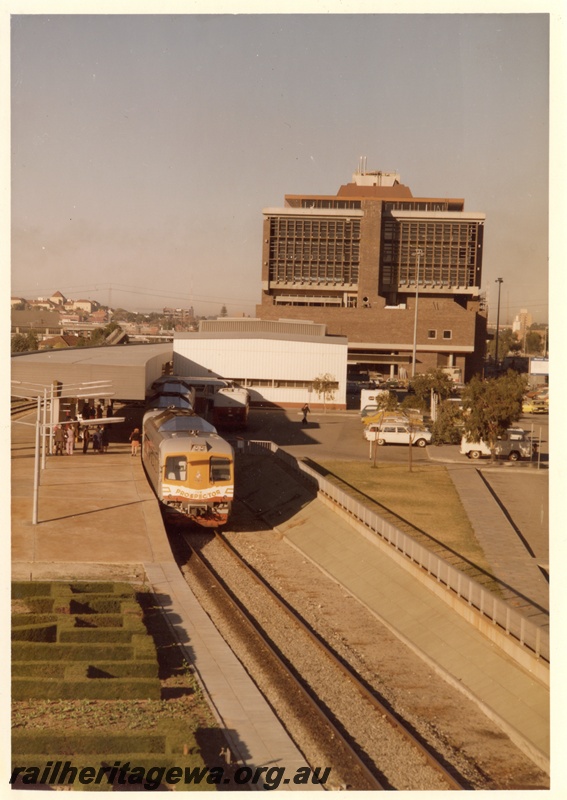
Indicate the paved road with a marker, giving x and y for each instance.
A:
(338, 434)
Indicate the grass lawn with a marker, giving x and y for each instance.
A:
(424, 498)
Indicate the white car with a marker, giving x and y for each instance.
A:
(513, 445)
(397, 434)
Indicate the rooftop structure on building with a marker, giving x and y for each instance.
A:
(361, 260)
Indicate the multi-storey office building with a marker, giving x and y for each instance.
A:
(362, 260)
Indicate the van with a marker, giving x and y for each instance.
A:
(513, 445)
(389, 433)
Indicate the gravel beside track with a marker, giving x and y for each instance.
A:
(478, 751)
(479, 754)
(315, 738)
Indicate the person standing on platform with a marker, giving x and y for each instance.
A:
(86, 439)
(135, 439)
(104, 438)
(59, 439)
(96, 440)
(70, 440)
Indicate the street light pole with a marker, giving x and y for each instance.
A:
(36, 463)
(499, 281)
(417, 253)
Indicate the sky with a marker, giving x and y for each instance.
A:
(145, 147)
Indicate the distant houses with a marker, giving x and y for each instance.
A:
(59, 342)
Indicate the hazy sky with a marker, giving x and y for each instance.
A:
(144, 148)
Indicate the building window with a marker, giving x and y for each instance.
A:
(432, 334)
(447, 334)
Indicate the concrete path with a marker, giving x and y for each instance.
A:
(523, 584)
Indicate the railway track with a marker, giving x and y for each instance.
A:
(18, 407)
(349, 728)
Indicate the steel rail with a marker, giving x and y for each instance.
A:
(255, 627)
(347, 671)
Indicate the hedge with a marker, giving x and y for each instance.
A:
(60, 651)
(87, 741)
(44, 632)
(128, 688)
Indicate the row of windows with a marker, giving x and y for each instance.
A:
(432, 334)
(281, 227)
(298, 272)
(318, 202)
(295, 250)
(279, 383)
(429, 231)
(422, 205)
(326, 302)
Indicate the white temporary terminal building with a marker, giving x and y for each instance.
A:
(278, 361)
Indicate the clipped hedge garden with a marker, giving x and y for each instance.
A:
(67, 651)
(81, 652)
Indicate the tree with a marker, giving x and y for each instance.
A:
(491, 406)
(97, 337)
(423, 385)
(534, 343)
(223, 312)
(325, 385)
(448, 425)
(24, 342)
(507, 343)
(386, 401)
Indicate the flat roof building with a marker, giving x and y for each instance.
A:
(361, 260)
(278, 361)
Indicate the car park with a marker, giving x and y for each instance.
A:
(389, 433)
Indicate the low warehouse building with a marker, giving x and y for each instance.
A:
(280, 362)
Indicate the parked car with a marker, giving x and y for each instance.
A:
(397, 434)
(539, 394)
(514, 445)
(535, 407)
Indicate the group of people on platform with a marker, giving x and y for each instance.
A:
(65, 437)
(89, 412)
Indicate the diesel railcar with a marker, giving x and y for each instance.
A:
(231, 405)
(190, 467)
(159, 402)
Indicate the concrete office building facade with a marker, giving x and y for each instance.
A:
(360, 260)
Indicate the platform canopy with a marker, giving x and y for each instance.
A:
(131, 369)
